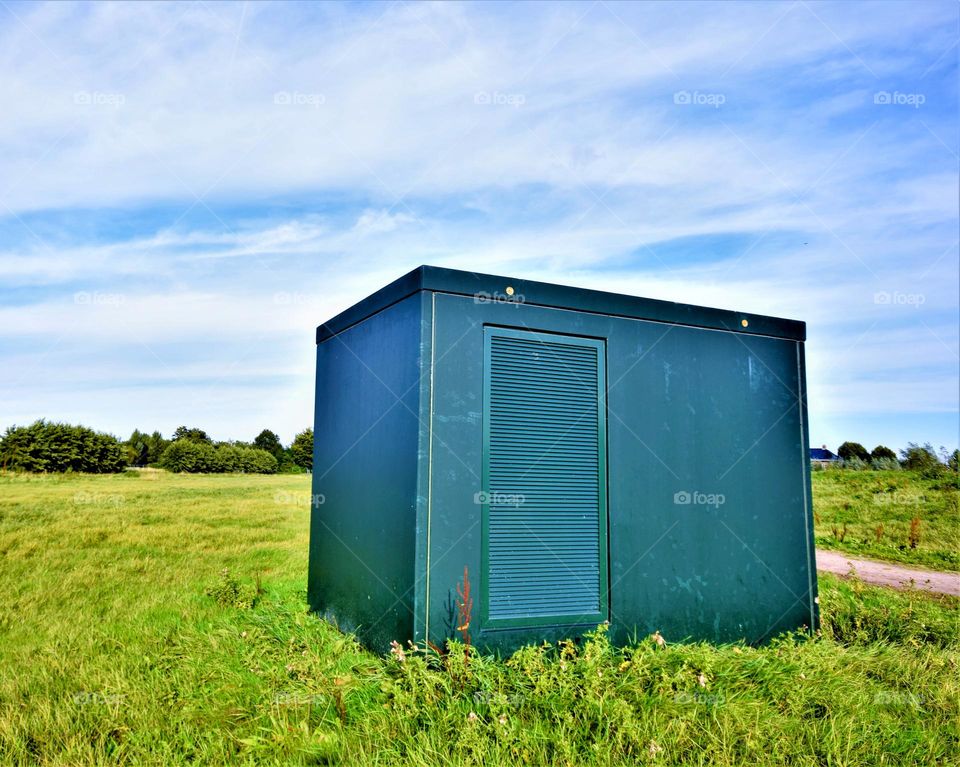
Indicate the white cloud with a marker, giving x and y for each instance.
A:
(198, 114)
(535, 140)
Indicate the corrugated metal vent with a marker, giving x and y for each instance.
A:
(545, 477)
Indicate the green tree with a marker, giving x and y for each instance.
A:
(184, 455)
(187, 455)
(143, 449)
(954, 462)
(46, 446)
(921, 458)
(286, 463)
(156, 444)
(882, 451)
(302, 449)
(849, 450)
(269, 441)
(192, 434)
(137, 448)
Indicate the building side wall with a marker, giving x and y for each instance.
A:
(364, 513)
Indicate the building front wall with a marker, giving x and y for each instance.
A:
(707, 505)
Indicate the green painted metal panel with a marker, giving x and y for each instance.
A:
(689, 411)
(544, 472)
(363, 531)
(487, 288)
(708, 482)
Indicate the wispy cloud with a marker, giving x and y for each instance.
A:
(179, 178)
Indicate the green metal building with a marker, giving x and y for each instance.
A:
(584, 456)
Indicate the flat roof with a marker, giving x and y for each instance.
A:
(457, 282)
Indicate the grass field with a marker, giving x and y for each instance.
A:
(113, 652)
(850, 506)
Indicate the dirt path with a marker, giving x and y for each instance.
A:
(888, 574)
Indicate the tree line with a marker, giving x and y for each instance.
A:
(914, 457)
(58, 447)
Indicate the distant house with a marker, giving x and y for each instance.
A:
(822, 457)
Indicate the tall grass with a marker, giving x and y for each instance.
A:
(899, 516)
(124, 642)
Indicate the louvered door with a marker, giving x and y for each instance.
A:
(544, 479)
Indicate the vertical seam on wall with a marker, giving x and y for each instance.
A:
(803, 473)
(433, 339)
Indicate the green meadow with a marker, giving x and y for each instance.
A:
(123, 641)
(869, 514)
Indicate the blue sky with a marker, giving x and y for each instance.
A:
(187, 190)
